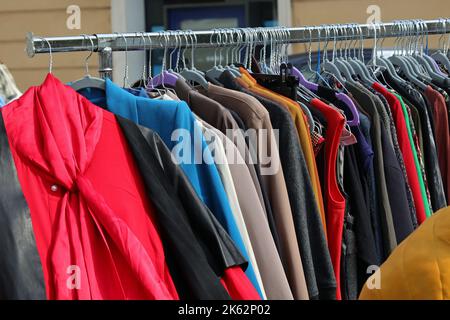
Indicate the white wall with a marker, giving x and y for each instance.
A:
(128, 16)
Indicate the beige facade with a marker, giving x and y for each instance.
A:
(47, 18)
(317, 12)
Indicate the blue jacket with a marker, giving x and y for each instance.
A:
(165, 117)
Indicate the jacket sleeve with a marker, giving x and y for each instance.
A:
(238, 285)
(221, 251)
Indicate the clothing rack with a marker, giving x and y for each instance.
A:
(105, 44)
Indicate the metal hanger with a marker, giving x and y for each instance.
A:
(50, 62)
(144, 69)
(126, 83)
(88, 81)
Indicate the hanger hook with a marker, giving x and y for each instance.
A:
(310, 48)
(50, 65)
(361, 39)
(288, 42)
(144, 70)
(125, 78)
(319, 29)
(419, 35)
(162, 36)
(424, 36)
(334, 28)
(178, 34)
(326, 40)
(193, 38)
(225, 42)
(354, 39)
(212, 45)
(86, 60)
(183, 50)
(170, 34)
(273, 49)
(347, 38)
(150, 43)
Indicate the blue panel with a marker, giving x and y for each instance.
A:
(176, 16)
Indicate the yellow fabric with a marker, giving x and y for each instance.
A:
(302, 128)
(419, 268)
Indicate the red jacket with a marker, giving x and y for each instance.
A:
(96, 231)
(65, 149)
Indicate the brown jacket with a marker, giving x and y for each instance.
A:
(256, 117)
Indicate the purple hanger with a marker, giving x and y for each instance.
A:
(169, 79)
(437, 69)
(308, 84)
(341, 96)
(349, 102)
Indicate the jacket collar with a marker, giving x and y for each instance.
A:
(55, 129)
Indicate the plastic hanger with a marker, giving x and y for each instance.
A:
(419, 70)
(192, 74)
(340, 62)
(302, 79)
(148, 79)
(229, 61)
(342, 96)
(441, 55)
(263, 51)
(405, 67)
(356, 67)
(381, 61)
(329, 66)
(176, 49)
(358, 63)
(235, 53)
(424, 59)
(216, 70)
(422, 70)
(164, 78)
(88, 81)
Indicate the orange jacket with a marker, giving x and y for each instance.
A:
(419, 268)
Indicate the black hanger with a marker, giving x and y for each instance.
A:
(284, 83)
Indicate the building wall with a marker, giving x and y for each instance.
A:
(48, 18)
(316, 12)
